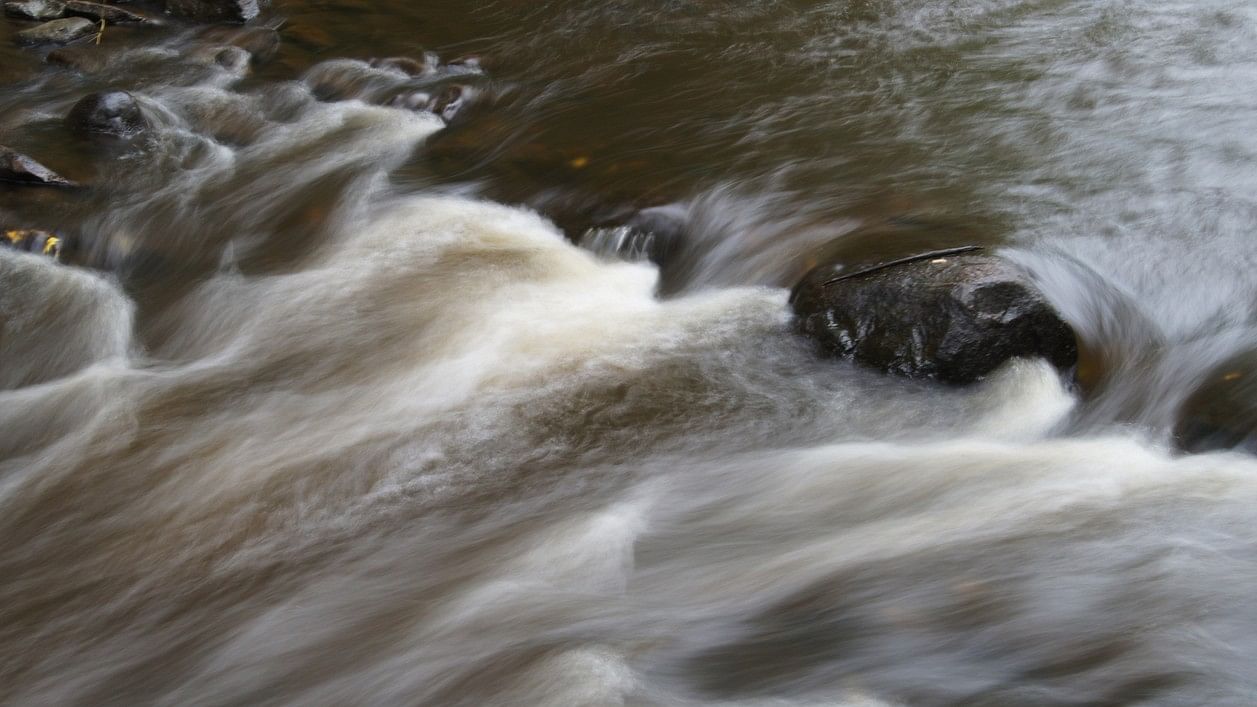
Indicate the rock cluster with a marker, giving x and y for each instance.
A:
(70, 21)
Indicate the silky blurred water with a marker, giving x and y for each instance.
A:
(328, 407)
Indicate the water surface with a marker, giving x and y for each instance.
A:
(329, 408)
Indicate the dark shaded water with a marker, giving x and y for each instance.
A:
(333, 416)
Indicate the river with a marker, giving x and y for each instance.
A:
(328, 409)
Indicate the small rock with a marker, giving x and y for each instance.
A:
(411, 100)
(61, 31)
(108, 112)
(341, 80)
(471, 63)
(109, 13)
(234, 59)
(952, 316)
(237, 11)
(39, 10)
(406, 65)
(16, 167)
(34, 241)
(262, 43)
(451, 101)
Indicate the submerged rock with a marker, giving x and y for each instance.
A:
(404, 64)
(109, 13)
(342, 80)
(451, 101)
(17, 167)
(86, 59)
(952, 316)
(216, 10)
(39, 10)
(653, 234)
(61, 31)
(108, 112)
(411, 100)
(1222, 412)
(234, 59)
(262, 43)
(470, 63)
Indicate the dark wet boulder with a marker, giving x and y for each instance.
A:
(109, 112)
(18, 168)
(38, 10)
(653, 234)
(1221, 413)
(237, 11)
(952, 316)
(61, 31)
(109, 13)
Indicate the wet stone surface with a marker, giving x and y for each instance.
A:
(109, 112)
(216, 10)
(951, 316)
(111, 14)
(61, 31)
(18, 168)
(38, 10)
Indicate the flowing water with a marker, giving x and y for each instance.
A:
(329, 410)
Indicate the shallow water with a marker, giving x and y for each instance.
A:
(330, 410)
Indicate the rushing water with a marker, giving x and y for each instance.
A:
(333, 416)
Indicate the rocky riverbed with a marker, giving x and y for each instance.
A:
(635, 353)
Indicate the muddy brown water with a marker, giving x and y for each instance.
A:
(328, 408)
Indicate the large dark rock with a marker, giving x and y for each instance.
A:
(62, 31)
(108, 112)
(109, 13)
(39, 10)
(952, 316)
(16, 167)
(216, 10)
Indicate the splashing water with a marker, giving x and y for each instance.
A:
(326, 426)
